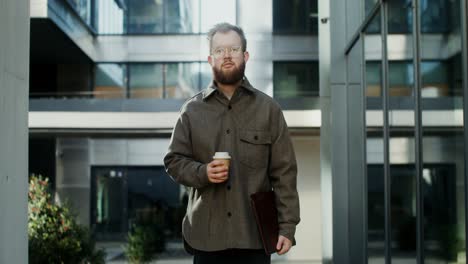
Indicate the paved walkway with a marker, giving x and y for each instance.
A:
(174, 254)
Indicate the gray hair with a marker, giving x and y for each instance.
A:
(224, 28)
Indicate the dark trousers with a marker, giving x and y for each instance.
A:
(232, 256)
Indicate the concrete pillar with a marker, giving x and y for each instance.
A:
(14, 89)
(347, 126)
(325, 131)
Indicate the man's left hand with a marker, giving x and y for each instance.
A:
(283, 245)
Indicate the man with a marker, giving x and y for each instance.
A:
(232, 116)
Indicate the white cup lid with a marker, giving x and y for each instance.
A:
(221, 155)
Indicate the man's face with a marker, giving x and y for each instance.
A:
(226, 60)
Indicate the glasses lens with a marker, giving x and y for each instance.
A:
(221, 52)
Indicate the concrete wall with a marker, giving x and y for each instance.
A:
(14, 88)
(309, 230)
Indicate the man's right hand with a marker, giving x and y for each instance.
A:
(216, 171)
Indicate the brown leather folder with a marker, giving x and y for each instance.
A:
(266, 216)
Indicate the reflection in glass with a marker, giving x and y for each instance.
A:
(145, 17)
(403, 174)
(374, 146)
(369, 5)
(443, 148)
(299, 16)
(375, 196)
(443, 201)
(83, 8)
(146, 80)
(403, 196)
(110, 81)
(180, 16)
(436, 84)
(401, 77)
(436, 16)
(109, 204)
(154, 202)
(109, 18)
(165, 80)
(443, 186)
(182, 80)
(295, 79)
(127, 197)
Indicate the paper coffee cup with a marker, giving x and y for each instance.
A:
(224, 157)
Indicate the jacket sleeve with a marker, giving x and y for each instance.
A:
(283, 177)
(179, 162)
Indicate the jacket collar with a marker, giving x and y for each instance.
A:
(212, 87)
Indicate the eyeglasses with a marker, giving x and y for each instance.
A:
(234, 51)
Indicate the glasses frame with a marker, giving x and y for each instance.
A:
(232, 51)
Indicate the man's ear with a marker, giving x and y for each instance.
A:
(210, 60)
(246, 56)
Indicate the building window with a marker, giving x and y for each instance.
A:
(178, 80)
(83, 9)
(295, 79)
(183, 80)
(110, 81)
(435, 77)
(155, 16)
(145, 16)
(187, 16)
(146, 80)
(295, 17)
(435, 16)
(110, 16)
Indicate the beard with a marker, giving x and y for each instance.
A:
(232, 76)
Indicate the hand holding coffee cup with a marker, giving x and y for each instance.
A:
(217, 170)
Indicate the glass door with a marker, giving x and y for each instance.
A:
(108, 208)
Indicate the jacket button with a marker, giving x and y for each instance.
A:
(229, 107)
(229, 214)
(228, 187)
(256, 137)
(228, 131)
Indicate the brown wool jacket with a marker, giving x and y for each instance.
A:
(251, 127)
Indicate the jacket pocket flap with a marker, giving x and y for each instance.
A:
(255, 137)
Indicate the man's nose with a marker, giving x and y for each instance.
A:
(227, 53)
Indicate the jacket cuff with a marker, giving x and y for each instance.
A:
(202, 175)
(288, 231)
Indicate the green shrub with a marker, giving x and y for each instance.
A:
(54, 236)
(144, 241)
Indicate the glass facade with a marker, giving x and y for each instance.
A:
(436, 16)
(110, 81)
(415, 150)
(83, 9)
(129, 196)
(295, 17)
(401, 73)
(147, 80)
(443, 184)
(111, 16)
(151, 80)
(295, 79)
(154, 17)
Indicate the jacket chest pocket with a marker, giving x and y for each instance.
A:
(254, 148)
